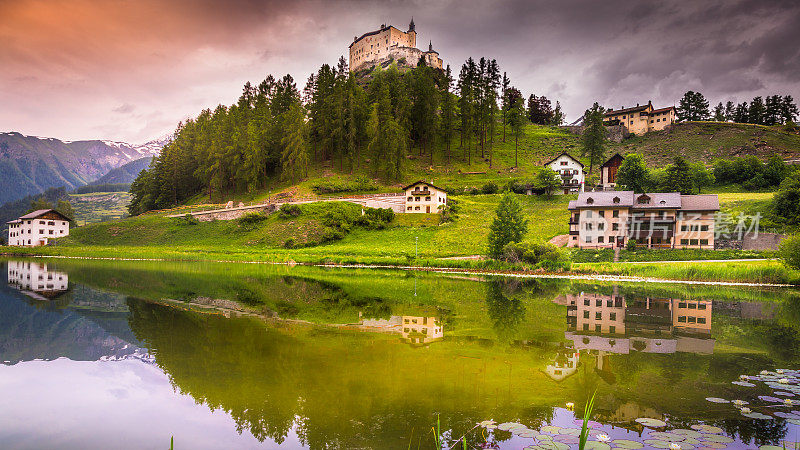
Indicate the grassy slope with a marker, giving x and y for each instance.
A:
(99, 206)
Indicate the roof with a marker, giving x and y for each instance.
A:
(604, 198)
(614, 112)
(662, 109)
(658, 200)
(41, 212)
(707, 202)
(371, 33)
(616, 155)
(14, 221)
(425, 183)
(562, 154)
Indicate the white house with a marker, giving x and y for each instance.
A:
(37, 228)
(422, 197)
(35, 280)
(571, 172)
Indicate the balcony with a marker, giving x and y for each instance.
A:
(421, 193)
(650, 233)
(638, 218)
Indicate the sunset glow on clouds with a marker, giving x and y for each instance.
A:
(130, 70)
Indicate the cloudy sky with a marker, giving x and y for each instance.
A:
(131, 69)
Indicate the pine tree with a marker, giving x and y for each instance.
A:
(594, 136)
(679, 176)
(448, 113)
(719, 112)
(729, 111)
(508, 226)
(741, 113)
(294, 159)
(505, 103)
(756, 113)
(516, 120)
(692, 107)
(558, 115)
(788, 109)
(772, 112)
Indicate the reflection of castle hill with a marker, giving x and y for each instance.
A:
(36, 281)
(609, 323)
(416, 330)
(564, 364)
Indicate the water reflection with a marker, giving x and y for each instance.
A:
(36, 281)
(615, 324)
(415, 330)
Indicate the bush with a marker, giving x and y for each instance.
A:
(543, 256)
(288, 211)
(251, 219)
(375, 218)
(489, 188)
(631, 245)
(290, 243)
(790, 251)
(188, 219)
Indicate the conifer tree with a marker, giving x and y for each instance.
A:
(509, 225)
(719, 113)
(756, 113)
(679, 176)
(594, 136)
(505, 103)
(448, 113)
(516, 120)
(294, 159)
(692, 107)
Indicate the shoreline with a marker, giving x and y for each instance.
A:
(570, 275)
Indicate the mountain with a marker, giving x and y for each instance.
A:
(125, 173)
(30, 164)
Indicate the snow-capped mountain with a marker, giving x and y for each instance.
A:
(31, 164)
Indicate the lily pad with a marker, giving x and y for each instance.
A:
(757, 415)
(550, 429)
(713, 445)
(653, 423)
(794, 421)
(486, 422)
(551, 446)
(570, 431)
(687, 433)
(785, 415)
(597, 445)
(717, 400)
(518, 430)
(670, 437)
(768, 398)
(566, 438)
(527, 434)
(743, 383)
(703, 428)
(783, 393)
(656, 443)
(508, 426)
(718, 439)
(627, 444)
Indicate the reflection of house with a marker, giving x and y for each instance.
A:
(413, 329)
(563, 365)
(570, 170)
(34, 280)
(424, 197)
(609, 323)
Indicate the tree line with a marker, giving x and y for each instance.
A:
(770, 110)
(370, 125)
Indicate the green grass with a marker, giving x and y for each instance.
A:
(771, 272)
(99, 206)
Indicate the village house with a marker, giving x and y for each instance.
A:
(655, 220)
(36, 281)
(422, 197)
(37, 228)
(608, 173)
(641, 119)
(571, 172)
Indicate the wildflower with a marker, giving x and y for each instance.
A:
(745, 410)
(570, 405)
(675, 446)
(603, 438)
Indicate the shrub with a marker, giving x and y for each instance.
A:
(489, 188)
(288, 210)
(790, 251)
(375, 218)
(631, 245)
(250, 220)
(290, 243)
(188, 219)
(543, 256)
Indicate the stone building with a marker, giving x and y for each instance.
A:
(641, 119)
(608, 172)
(656, 220)
(37, 228)
(388, 43)
(424, 197)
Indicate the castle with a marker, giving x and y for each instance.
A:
(390, 44)
(641, 119)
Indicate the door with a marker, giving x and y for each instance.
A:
(428, 209)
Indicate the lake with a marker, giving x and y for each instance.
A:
(102, 354)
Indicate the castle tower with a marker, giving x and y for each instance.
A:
(411, 25)
(412, 34)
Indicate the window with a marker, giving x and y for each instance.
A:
(602, 213)
(701, 320)
(409, 208)
(598, 328)
(614, 226)
(682, 319)
(692, 241)
(563, 163)
(586, 302)
(701, 306)
(586, 314)
(684, 242)
(683, 227)
(691, 319)
(598, 303)
(703, 241)
(615, 213)
(427, 199)
(703, 227)
(416, 208)
(692, 305)
(600, 239)
(588, 227)
(411, 199)
(613, 316)
(612, 330)
(418, 199)
(588, 213)
(585, 326)
(601, 226)
(588, 239)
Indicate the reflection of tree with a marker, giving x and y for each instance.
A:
(506, 312)
(760, 432)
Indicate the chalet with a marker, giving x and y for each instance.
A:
(608, 172)
(37, 228)
(422, 197)
(654, 220)
(571, 172)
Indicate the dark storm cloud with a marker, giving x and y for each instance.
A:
(66, 63)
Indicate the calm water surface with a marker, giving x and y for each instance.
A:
(129, 354)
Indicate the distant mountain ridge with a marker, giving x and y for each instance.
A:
(125, 173)
(31, 164)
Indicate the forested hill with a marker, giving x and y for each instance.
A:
(125, 173)
(460, 130)
(29, 164)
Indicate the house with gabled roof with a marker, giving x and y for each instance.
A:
(37, 228)
(641, 118)
(423, 197)
(608, 172)
(571, 172)
(606, 219)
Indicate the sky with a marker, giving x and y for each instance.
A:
(130, 70)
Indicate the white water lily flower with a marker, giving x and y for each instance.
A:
(788, 401)
(675, 446)
(603, 438)
(780, 371)
(739, 402)
(745, 410)
(743, 377)
(570, 405)
(783, 381)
